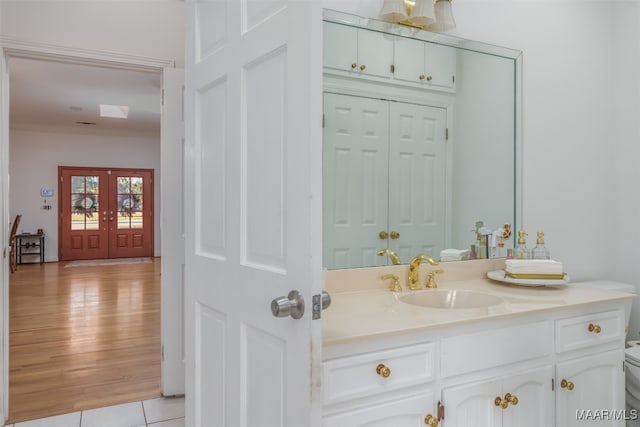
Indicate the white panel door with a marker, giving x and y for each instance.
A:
(253, 105)
(172, 224)
(472, 405)
(535, 404)
(4, 233)
(355, 162)
(417, 170)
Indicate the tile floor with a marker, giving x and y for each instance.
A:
(159, 412)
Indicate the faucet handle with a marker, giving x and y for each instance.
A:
(395, 285)
(431, 279)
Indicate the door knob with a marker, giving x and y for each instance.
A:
(383, 235)
(596, 329)
(394, 235)
(566, 384)
(431, 421)
(291, 305)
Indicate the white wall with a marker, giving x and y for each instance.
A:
(34, 160)
(581, 96)
(147, 28)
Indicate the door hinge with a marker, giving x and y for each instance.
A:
(162, 98)
(553, 384)
(393, 68)
(162, 352)
(446, 134)
(440, 411)
(453, 79)
(4, 253)
(323, 120)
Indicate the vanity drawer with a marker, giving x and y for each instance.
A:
(589, 330)
(366, 374)
(462, 354)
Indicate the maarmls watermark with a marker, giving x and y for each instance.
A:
(606, 414)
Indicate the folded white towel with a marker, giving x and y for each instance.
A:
(454, 254)
(533, 266)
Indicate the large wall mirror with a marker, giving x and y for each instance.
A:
(421, 143)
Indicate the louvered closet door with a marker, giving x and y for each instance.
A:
(355, 169)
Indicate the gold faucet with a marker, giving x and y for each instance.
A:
(395, 285)
(414, 268)
(395, 259)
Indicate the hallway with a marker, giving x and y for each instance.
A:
(82, 337)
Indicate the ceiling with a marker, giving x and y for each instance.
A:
(53, 95)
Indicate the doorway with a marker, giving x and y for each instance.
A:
(105, 213)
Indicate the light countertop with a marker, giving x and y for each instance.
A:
(372, 313)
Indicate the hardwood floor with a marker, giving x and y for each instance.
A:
(82, 337)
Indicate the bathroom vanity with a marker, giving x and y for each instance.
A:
(540, 356)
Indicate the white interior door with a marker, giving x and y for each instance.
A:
(253, 99)
(417, 170)
(172, 226)
(356, 152)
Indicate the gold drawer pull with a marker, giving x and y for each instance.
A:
(511, 398)
(383, 371)
(430, 420)
(421, 77)
(596, 329)
(566, 384)
(429, 78)
(354, 65)
(363, 67)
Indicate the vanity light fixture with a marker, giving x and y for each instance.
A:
(423, 14)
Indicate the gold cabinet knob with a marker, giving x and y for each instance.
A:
(354, 65)
(363, 67)
(430, 420)
(429, 78)
(566, 384)
(511, 398)
(383, 371)
(421, 77)
(500, 402)
(394, 235)
(596, 329)
(383, 235)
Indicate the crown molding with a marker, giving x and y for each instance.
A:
(29, 49)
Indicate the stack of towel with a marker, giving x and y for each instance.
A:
(534, 269)
(454, 254)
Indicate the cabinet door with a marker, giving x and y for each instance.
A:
(340, 47)
(472, 405)
(439, 65)
(417, 179)
(408, 60)
(355, 169)
(375, 54)
(409, 411)
(592, 384)
(534, 392)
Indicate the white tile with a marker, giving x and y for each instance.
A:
(178, 422)
(125, 415)
(64, 420)
(162, 409)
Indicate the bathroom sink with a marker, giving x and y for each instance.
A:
(451, 299)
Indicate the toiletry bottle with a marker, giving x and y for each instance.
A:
(521, 249)
(540, 251)
(509, 253)
(472, 252)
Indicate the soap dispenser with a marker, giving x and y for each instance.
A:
(521, 249)
(540, 251)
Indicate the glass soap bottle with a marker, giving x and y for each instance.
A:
(522, 252)
(540, 251)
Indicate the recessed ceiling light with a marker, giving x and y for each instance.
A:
(114, 111)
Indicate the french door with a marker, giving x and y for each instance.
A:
(105, 213)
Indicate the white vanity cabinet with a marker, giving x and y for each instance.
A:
(428, 64)
(517, 400)
(535, 369)
(357, 51)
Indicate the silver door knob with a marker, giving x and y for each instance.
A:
(291, 305)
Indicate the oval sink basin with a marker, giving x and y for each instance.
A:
(451, 299)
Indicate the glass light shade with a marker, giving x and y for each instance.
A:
(444, 16)
(423, 13)
(393, 11)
